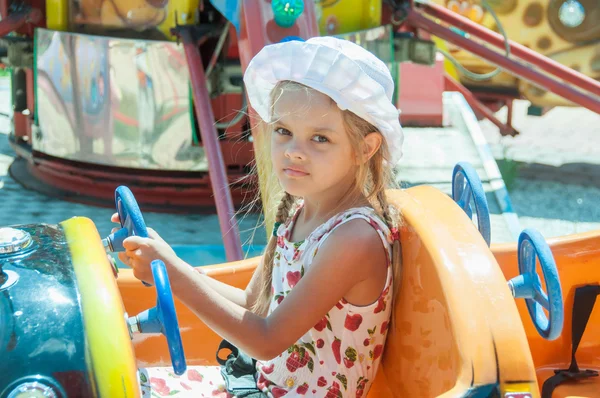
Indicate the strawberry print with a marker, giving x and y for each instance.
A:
(278, 298)
(303, 389)
(298, 359)
(334, 391)
(262, 383)
(384, 327)
(280, 241)
(376, 353)
(381, 305)
(268, 369)
(322, 324)
(360, 386)
(353, 322)
(346, 341)
(194, 375)
(342, 380)
(220, 393)
(310, 347)
(350, 357)
(160, 386)
(372, 338)
(162, 382)
(278, 392)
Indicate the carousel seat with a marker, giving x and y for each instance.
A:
(578, 263)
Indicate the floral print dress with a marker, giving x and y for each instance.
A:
(337, 358)
(340, 355)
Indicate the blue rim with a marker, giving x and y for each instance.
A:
(130, 215)
(167, 316)
(466, 184)
(129, 212)
(532, 246)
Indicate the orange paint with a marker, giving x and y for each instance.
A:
(455, 318)
(578, 262)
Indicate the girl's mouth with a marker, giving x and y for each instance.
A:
(295, 172)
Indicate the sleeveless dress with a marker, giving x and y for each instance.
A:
(340, 355)
(337, 358)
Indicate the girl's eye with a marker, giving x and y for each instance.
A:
(320, 139)
(282, 131)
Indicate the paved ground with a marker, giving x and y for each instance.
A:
(563, 136)
(552, 168)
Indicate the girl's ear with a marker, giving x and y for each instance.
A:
(372, 143)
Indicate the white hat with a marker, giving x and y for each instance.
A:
(352, 76)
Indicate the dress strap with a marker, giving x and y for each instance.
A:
(282, 227)
(366, 213)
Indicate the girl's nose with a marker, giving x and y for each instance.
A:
(294, 151)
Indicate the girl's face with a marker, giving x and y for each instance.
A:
(310, 148)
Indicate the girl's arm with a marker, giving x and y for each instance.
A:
(231, 293)
(243, 297)
(307, 303)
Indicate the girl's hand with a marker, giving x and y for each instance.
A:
(140, 252)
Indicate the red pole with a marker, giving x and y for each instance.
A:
(559, 70)
(17, 19)
(417, 20)
(453, 85)
(212, 149)
(3, 9)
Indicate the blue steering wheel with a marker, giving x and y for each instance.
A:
(163, 318)
(130, 216)
(528, 285)
(131, 219)
(466, 184)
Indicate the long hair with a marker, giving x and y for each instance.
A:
(373, 178)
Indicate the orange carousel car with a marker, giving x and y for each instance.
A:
(460, 331)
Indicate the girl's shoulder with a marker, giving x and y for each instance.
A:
(365, 213)
(356, 226)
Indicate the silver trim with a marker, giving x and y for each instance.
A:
(12, 278)
(33, 386)
(13, 240)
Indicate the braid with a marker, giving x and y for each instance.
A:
(389, 218)
(261, 306)
(285, 206)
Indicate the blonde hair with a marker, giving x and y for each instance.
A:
(373, 178)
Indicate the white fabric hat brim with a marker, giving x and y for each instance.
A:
(361, 84)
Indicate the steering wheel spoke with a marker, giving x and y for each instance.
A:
(528, 285)
(540, 297)
(465, 199)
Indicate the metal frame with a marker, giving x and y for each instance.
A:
(559, 70)
(505, 128)
(16, 20)
(210, 140)
(585, 98)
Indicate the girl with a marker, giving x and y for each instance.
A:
(316, 313)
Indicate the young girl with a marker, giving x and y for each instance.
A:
(316, 313)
